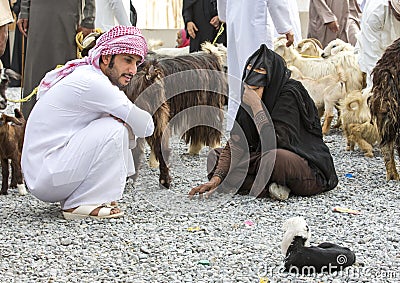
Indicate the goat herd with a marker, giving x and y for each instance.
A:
(367, 117)
(186, 95)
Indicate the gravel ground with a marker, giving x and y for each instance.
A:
(164, 237)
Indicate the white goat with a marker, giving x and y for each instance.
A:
(336, 46)
(318, 68)
(326, 92)
(155, 46)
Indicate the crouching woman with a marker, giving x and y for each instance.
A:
(78, 135)
(276, 144)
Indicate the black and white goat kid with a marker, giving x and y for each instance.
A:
(5, 77)
(304, 259)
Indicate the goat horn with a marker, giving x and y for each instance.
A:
(316, 41)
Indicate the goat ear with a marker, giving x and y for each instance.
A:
(149, 72)
(305, 47)
(152, 73)
(13, 74)
(12, 119)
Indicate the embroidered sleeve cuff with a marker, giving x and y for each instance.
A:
(260, 119)
(221, 174)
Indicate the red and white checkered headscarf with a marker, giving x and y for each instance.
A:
(118, 40)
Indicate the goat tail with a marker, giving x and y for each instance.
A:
(210, 48)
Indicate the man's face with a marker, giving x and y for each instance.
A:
(121, 68)
(179, 38)
(3, 38)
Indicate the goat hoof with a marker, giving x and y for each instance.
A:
(392, 176)
(369, 154)
(4, 193)
(164, 184)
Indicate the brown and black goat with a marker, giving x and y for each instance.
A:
(385, 105)
(11, 140)
(185, 94)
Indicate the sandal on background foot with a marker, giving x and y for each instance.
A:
(84, 211)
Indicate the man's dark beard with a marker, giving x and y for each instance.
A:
(112, 78)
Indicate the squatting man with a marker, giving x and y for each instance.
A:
(79, 133)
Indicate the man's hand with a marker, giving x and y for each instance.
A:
(85, 31)
(207, 188)
(192, 29)
(23, 26)
(290, 38)
(215, 22)
(333, 26)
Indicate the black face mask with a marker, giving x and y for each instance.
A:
(254, 78)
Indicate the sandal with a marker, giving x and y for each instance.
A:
(84, 211)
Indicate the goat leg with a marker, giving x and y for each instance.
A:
(162, 153)
(357, 135)
(138, 154)
(339, 119)
(327, 123)
(16, 172)
(388, 156)
(5, 174)
(365, 147)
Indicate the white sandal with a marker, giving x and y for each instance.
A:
(84, 211)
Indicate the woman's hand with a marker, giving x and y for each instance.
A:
(252, 97)
(207, 188)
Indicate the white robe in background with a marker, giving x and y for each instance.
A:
(294, 21)
(74, 152)
(110, 13)
(247, 29)
(379, 28)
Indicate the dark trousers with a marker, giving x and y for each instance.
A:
(253, 175)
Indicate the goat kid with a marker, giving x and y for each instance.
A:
(12, 131)
(5, 77)
(301, 258)
(356, 122)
